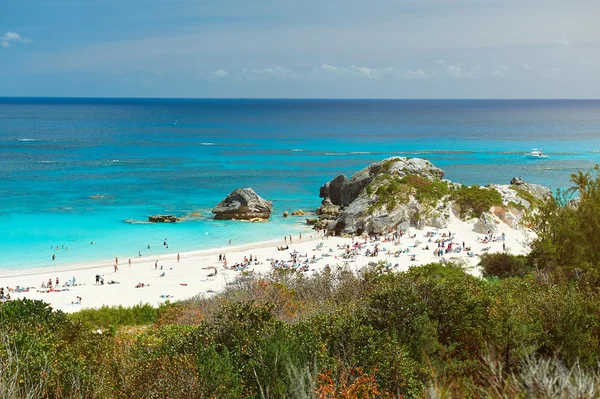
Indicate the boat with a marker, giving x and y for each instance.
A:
(536, 154)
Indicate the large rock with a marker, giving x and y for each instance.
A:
(378, 200)
(486, 224)
(342, 191)
(327, 208)
(243, 204)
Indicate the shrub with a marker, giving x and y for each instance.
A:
(504, 265)
(475, 199)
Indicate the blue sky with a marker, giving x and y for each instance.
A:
(303, 48)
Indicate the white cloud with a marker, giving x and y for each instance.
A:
(277, 72)
(564, 42)
(526, 66)
(454, 70)
(13, 37)
(215, 75)
(351, 71)
(500, 72)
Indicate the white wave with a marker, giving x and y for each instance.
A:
(361, 152)
(26, 140)
(48, 161)
(113, 160)
(334, 154)
(297, 150)
(207, 143)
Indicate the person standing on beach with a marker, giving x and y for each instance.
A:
(116, 268)
(178, 257)
(300, 236)
(97, 279)
(285, 239)
(290, 238)
(116, 261)
(156, 265)
(129, 262)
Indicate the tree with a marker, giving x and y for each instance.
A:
(581, 183)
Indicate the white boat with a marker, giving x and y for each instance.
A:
(536, 154)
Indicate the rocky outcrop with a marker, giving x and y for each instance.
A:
(298, 212)
(342, 191)
(516, 181)
(486, 224)
(286, 214)
(397, 193)
(163, 219)
(243, 204)
(354, 205)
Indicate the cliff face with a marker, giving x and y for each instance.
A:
(396, 193)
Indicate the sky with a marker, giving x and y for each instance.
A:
(301, 48)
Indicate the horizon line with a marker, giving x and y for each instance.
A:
(305, 98)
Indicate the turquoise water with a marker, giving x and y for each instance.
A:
(73, 170)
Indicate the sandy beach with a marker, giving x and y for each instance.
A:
(165, 278)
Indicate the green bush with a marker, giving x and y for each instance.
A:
(115, 316)
(475, 199)
(504, 265)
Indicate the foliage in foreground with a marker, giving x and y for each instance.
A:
(433, 330)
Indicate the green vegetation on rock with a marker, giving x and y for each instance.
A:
(475, 199)
(527, 196)
(392, 191)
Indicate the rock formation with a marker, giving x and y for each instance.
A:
(298, 212)
(243, 204)
(396, 193)
(163, 219)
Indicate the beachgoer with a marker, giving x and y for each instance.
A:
(285, 240)
(97, 278)
(78, 300)
(167, 246)
(117, 261)
(300, 236)
(229, 241)
(503, 246)
(220, 257)
(290, 238)
(178, 256)
(57, 283)
(116, 268)
(92, 243)
(129, 262)
(53, 256)
(148, 246)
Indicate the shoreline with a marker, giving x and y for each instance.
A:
(74, 267)
(199, 273)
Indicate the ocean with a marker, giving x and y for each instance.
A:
(76, 171)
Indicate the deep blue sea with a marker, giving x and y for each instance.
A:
(73, 170)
